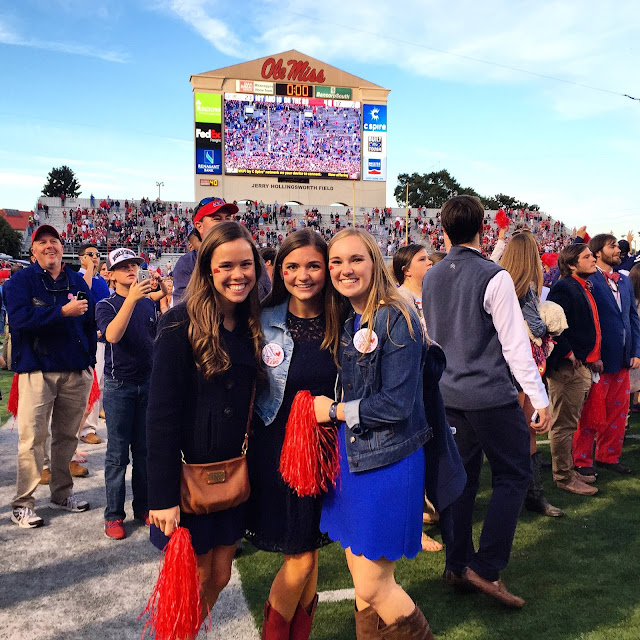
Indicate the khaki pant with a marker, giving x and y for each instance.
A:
(568, 390)
(62, 398)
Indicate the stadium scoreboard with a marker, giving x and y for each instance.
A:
(288, 118)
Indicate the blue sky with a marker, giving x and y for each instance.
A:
(103, 86)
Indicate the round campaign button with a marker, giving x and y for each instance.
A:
(365, 343)
(272, 354)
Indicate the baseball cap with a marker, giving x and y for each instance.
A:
(209, 206)
(122, 255)
(45, 228)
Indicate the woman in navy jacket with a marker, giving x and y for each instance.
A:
(376, 509)
(205, 364)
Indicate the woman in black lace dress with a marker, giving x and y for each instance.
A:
(293, 324)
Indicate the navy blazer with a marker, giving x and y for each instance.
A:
(620, 329)
(580, 337)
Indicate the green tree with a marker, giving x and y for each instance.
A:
(427, 190)
(61, 180)
(10, 240)
(432, 190)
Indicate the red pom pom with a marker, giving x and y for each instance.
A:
(502, 220)
(309, 461)
(94, 394)
(174, 608)
(12, 403)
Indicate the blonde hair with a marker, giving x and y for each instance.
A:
(521, 259)
(382, 292)
(203, 304)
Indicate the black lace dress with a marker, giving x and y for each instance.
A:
(278, 519)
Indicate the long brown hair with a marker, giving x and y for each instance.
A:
(522, 260)
(203, 304)
(382, 292)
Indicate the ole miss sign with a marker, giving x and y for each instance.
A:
(293, 71)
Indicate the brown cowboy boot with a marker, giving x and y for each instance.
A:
(411, 627)
(367, 624)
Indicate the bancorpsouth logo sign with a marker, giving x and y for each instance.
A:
(208, 107)
(375, 117)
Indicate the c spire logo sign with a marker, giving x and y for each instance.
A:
(374, 117)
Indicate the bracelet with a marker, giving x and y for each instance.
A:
(333, 412)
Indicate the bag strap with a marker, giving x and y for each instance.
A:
(245, 444)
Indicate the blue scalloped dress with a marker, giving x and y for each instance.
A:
(376, 513)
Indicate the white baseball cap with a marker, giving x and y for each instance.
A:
(121, 255)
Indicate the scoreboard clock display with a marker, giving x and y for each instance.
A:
(294, 90)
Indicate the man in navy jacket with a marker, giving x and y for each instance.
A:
(620, 351)
(53, 335)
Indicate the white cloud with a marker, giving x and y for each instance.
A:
(12, 37)
(497, 41)
(197, 14)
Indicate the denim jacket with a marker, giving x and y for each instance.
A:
(382, 389)
(270, 394)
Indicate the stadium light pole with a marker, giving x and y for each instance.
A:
(159, 184)
(353, 210)
(406, 224)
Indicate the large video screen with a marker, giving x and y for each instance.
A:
(282, 136)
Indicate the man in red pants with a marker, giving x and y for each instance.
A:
(620, 351)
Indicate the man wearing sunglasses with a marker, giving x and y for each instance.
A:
(89, 269)
(53, 333)
(208, 213)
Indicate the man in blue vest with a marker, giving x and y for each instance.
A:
(471, 309)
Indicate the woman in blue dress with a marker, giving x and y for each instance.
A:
(294, 328)
(375, 512)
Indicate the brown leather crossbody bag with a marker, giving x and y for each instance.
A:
(216, 486)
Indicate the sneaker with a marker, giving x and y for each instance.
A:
(77, 470)
(143, 517)
(45, 478)
(26, 518)
(72, 503)
(91, 438)
(114, 529)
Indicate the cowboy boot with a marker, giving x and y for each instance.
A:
(535, 500)
(411, 627)
(274, 627)
(367, 624)
(302, 620)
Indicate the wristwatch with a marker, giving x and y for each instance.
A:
(333, 412)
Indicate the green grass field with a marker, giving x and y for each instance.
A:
(579, 574)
